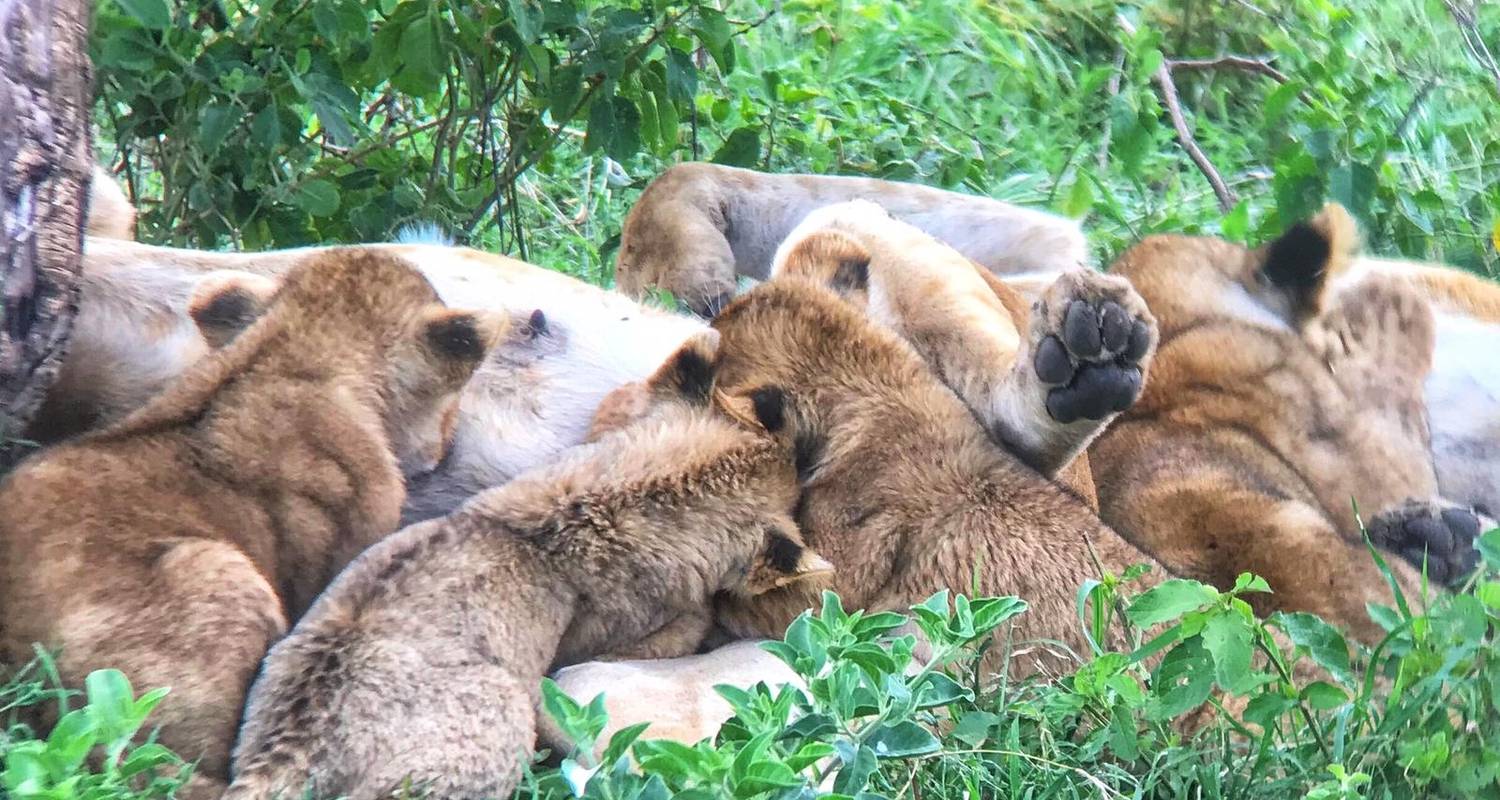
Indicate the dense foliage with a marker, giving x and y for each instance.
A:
(529, 125)
(1308, 713)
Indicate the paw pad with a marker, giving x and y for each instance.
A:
(1443, 537)
(1094, 361)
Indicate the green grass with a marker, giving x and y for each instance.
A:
(1023, 101)
(1314, 715)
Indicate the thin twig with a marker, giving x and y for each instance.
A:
(1111, 90)
(1404, 126)
(1227, 198)
(1242, 63)
(1467, 26)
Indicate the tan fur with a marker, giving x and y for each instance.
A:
(1447, 288)
(423, 661)
(965, 325)
(1274, 403)
(698, 226)
(533, 397)
(110, 214)
(177, 544)
(902, 488)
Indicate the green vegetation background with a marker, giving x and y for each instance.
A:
(530, 127)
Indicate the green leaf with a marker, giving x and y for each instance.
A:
(741, 149)
(70, 741)
(859, 765)
(1279, 99)
(974, 729)
(1489, 547)
(153, 14)
(215, 122)
(1353, 186)
(627, 129)
(620, 742)
(1323, 643)
(1080, 198)
(1324, 696)
(717, 37)
(317, 197)
(326, 19)
(265, 128)
(682, 76)
(421, 56)
(938, 689)
(1265, 709)
(766, 776)
(1169, 600)
(1386, 617)
(602, 128)
(1227, 637)
(902, 739)
(1236, 224)
(526, 18)
(668, 758)
(1184, 678)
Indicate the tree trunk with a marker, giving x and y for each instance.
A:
(46, 90)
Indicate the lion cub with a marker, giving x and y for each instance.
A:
(903, 490)
(1044, 396)
(177, 543)
(423, 661)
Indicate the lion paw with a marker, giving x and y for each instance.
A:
(1440, 534)
(1093, 336)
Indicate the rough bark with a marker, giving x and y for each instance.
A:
(46, 86)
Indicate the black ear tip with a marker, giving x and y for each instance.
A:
(782, 553)
(1298, 257)
(770, 407)
(457, 336)
(537, 323)
(231, 306)
(695, 373)
(852, 274)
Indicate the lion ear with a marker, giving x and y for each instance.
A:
(226, 302)
(462, 337)
(689, 372)
(784, 560)
(831, 258)
(1302, 262)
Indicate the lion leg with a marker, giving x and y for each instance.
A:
(198, 623)
(1084, 360)
(1214, 533)
(679, 637)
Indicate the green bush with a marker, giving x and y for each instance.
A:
(59, 767)
(530, 125)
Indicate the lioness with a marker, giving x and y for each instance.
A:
(699, 226)
(1274, 401)
(177, 544)
(424, 660)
